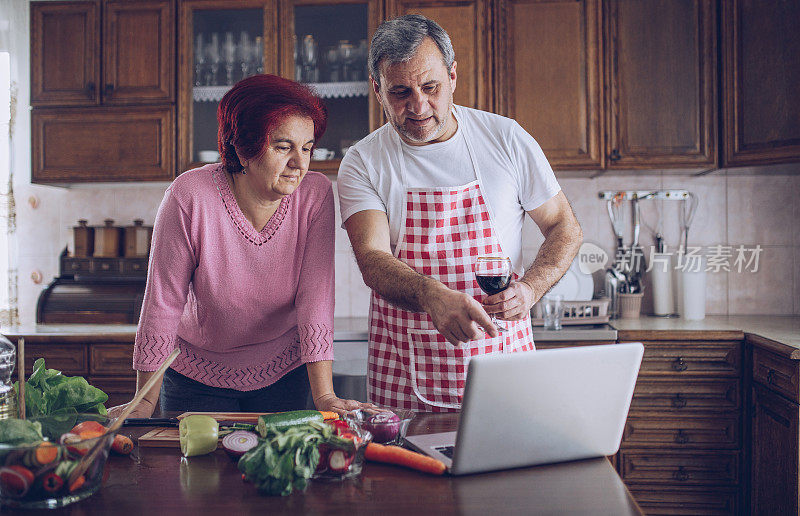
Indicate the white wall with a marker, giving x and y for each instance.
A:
(734, 209)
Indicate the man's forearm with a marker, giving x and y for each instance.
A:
(553, 259)
(395, 281)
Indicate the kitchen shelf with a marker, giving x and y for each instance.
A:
(327, 90)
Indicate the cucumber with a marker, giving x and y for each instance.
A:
(283, 420)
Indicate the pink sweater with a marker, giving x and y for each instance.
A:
(244, 307)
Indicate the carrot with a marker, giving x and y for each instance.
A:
(396, 455)
(122, 444)
(46, 453)
(328, 415)
(77, 484)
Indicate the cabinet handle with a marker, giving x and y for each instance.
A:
(770, 376)
(679, 364)
(614, 156)
(681, 474)
(90, 89)
(681, 438)
(109, 90)
(678, 401)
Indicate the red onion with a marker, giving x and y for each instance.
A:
(239, 442)
(384, 426)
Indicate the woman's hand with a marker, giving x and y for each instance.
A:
(332, 403)
(144, 409)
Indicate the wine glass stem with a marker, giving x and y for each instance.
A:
(499, 326)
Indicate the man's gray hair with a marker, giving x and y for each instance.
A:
(396, 40)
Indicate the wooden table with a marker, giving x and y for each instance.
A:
(160, 481)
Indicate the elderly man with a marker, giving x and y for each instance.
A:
(421, 198)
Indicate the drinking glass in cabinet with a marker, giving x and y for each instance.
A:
(229, 57)
(310, 55)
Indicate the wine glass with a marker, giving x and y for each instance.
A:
(493, 274)
(199, 60)
(310, 56)
(229, 57)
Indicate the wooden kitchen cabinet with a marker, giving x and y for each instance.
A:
(105, 362)
(760, 74)
(102, 91)
(103, 144)
(549, 76)
(468, 24)
(321, 43)
(133, 65)
(65, 45)
(775, 428)
(685, 431)
(660, 74)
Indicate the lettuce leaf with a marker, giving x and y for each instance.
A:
(56, 400)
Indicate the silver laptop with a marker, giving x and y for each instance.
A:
(522, 409)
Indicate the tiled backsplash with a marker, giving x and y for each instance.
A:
(733, 210)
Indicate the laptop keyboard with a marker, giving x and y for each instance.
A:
(447, 451)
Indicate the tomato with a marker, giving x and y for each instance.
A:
(51, 482)
(15, 480)
(338, 425)
(88, 426)
(347, 434)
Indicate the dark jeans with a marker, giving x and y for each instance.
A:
(183, 394)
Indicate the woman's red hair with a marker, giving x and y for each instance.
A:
(253, 107)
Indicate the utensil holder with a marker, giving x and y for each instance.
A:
(630, 305)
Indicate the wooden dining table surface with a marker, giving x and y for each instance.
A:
(161, 481)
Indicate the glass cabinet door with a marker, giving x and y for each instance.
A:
(327, 46)
(319, 42)
(221, 43)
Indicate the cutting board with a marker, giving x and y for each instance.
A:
(170, 438)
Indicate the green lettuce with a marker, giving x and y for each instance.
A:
(20, 431)
(55, 400)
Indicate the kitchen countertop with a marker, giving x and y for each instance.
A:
(211, 484)
(344, 329)
(779, 329)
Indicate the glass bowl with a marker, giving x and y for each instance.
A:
(349, 459)
(35, 475)
(385, 428)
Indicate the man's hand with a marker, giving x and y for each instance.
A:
(513, 303)
(457, 316)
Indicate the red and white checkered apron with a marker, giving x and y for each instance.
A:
(411, 365)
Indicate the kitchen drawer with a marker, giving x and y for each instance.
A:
(119, 390)
(687, 395)
(109, 266)
(712, 358)
(680, 468)
(683, 432)
(111, 359)
(134, 266)
(777, 373)
(685, 501)
(77, 265)
(70, 359)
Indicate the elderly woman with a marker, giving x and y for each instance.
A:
(241, 266)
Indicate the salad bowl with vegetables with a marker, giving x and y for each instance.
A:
(36, 472)
(56, 455)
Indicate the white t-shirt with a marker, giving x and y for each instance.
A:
(514, 174)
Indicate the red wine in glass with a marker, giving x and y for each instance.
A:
(493, 284)
(493, 274)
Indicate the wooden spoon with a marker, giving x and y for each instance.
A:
(95, 450)
(21, 377)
